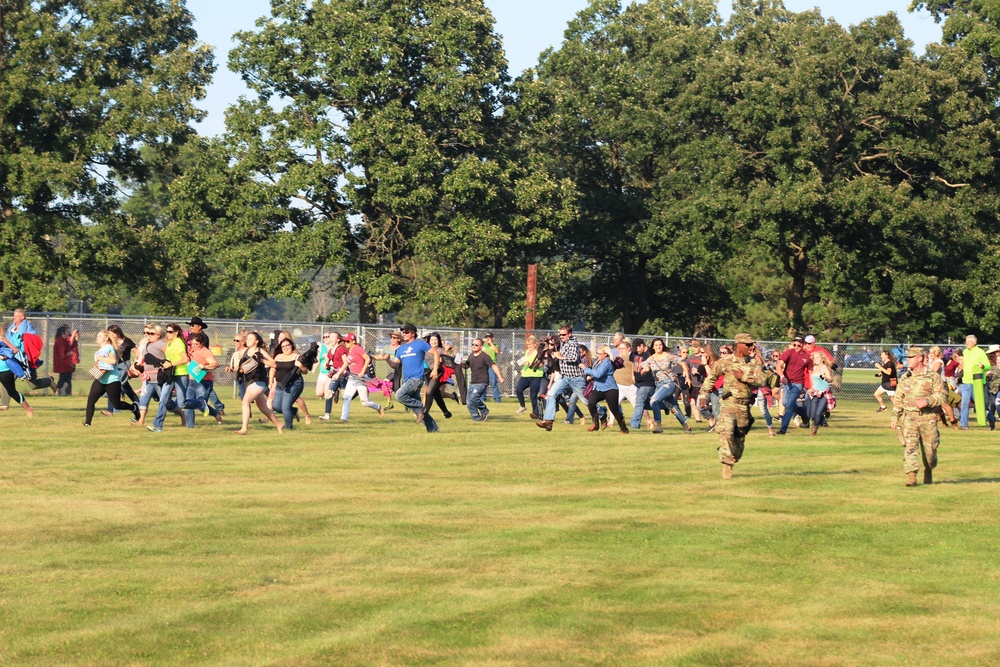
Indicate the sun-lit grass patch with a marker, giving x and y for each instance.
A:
(492, 543)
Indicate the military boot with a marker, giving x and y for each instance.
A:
(911, 479)
(727, 471)
(657, 427)
(928, 476)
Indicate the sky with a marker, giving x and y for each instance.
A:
(527, 28)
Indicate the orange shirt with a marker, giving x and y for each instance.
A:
(202, 357)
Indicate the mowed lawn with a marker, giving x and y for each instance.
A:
(492, 543)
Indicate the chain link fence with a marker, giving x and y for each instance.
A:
(855, 377)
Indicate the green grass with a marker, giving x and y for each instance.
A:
(494, 543)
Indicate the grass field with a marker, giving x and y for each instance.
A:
(493, 543)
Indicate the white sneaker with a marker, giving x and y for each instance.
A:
(520, 411)
(325, 417)
(797, 421)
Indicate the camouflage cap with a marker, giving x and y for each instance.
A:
(914, 352)
(744, 338)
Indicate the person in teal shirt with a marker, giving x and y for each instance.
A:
(106, 360)
(12, 342)
(975, 363)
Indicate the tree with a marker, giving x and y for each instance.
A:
(972, 24)
(386, 120)
(605, 104)
(84, 85)
(830, 151)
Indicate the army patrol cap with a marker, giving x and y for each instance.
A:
(744, 338)
(914, 352)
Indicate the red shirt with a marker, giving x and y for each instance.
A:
(65, 355)
(796, 362)
(356, 360)
(336, 357)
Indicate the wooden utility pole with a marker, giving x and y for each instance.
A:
(529, 317)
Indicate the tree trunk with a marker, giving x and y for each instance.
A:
(795, 296)
(366, 311)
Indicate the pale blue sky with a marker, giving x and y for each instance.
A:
(528, 27)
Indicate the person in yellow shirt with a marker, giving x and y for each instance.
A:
(177, 360)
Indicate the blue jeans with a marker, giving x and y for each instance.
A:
(966, 391)
(409, 395)
(161, 412)
(816, 408)
(284, 399)
(494, 385)
(148, 390)
(576, 384)
(213, 399)
(186, 398)
(767, 413)
(663, 398)
(474, 401)
(789, 398)
(203, 391)
(642, 396)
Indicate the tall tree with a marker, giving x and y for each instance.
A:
(84, 85)
(386, 119)
(831, 149)
(605, 102)
(972, 24)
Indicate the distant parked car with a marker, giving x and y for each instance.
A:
(864, 358)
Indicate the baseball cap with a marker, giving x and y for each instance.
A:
(408, 327)
(744, 338)
(798, 339)
(349, 337)
(915, 352)
(810, 339)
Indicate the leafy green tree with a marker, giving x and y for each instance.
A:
(972, 24)
(83, 87)
(386, 121)
(606, 114)
(828, 152)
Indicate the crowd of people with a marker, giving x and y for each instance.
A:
(694, 383)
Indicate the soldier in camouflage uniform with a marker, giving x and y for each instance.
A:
(744, 372)
(914, 411)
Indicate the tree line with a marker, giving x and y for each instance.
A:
(667, 169)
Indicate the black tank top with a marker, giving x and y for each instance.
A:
(282, 369)
(259, 374)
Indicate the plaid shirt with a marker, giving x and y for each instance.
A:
(569, 365)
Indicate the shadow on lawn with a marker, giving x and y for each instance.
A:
(981, 480)
(804, 473)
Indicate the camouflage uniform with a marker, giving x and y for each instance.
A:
(734, 416)
(917, 427)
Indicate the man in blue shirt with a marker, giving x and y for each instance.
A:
(411, 355)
